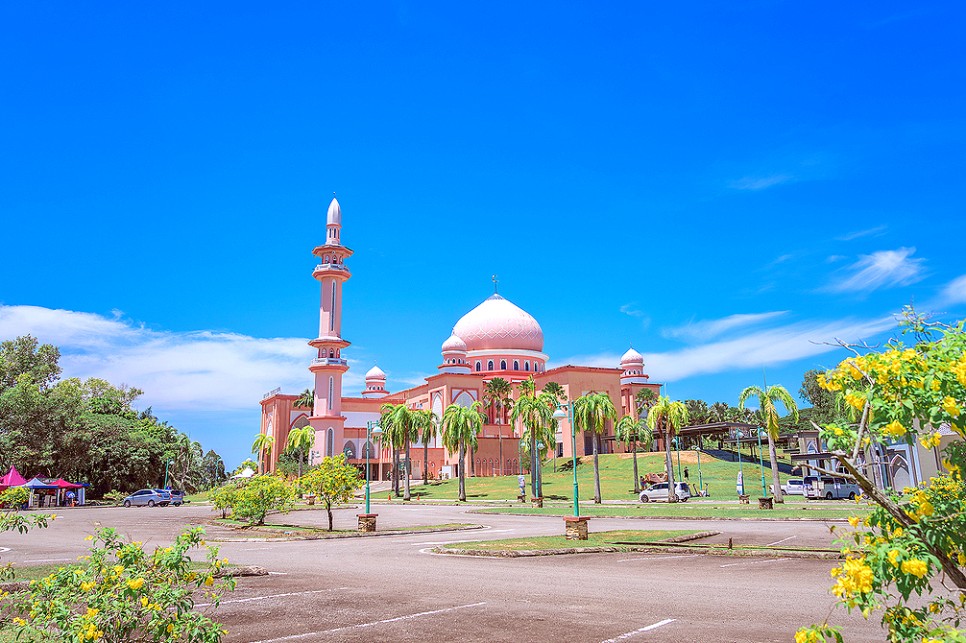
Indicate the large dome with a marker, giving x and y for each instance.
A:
(498, 324)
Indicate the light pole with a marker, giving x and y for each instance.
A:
(700, 479)
(166, 465)
(741, 475)
(560, 414)
(761, 464)
(372, 428)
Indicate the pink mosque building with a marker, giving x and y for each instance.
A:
(495, 339)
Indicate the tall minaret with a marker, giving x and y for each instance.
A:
(328, 366)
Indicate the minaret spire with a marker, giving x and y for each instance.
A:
(496, 285)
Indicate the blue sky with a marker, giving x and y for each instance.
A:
(720, 186)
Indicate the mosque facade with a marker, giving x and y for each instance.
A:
(495, 339)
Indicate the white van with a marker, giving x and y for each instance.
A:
(830, 488)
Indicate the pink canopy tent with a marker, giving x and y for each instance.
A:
(12, 479)
(60, 483)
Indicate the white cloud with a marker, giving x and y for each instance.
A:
(955, 291)
(754, 350)
(869, 232)
(884, 268)
(755, 183)
(176, 370)
(707, 329)
(631, 310)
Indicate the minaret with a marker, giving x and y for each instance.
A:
(329, 366)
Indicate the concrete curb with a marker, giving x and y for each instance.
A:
(646, 549)
(335, 536)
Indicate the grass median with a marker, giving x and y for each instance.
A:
(810, 511)
(628, 538)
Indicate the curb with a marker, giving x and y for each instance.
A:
(335, 536)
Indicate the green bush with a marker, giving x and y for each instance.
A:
(14, 498)
(115, 497)
(261, 494)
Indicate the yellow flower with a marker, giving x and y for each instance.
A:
(855, 578)
(92, 612)
(915, 567)
(962, 559)
(118, 569)
(894, 557)
(170, 628)
(854, 521)
(136, 583)
(930, 440)
(935, 385)
(856, 400)
(897, 533)
(87, 586)
(209, 581)
(949, 406)
(19, 621)
(88, 537)
(894, 429)
(144, 601)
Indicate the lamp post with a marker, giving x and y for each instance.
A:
(367, 521)
(166, 465)
(700, 479)
(761, 464)
(576, 524)
(741, 475)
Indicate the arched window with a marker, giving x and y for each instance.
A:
(479, 366)
(526, 366)
(502, 364)
(332, 309)
(330, 441)
(331, 392)
(489, 365)
(516, 365)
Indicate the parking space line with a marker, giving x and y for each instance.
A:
(647, 628)
(645, 557)
(265, 598)
(777, 542)
(755, 562)
(407, 617)
(50, 560)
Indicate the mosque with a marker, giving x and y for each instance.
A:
(495, 339)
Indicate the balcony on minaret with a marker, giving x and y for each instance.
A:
(329, 361)
(324, 268)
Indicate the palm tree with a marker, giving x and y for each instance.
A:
(299, 442)
(402, 429)
(461, 425)
(535, 413)
(718, 412)
(305, 398)
(591, 413)
(496, 395)
(263, 447)
(553, 388)
(644, 399)
(769, 416)
(630, 431)
(668, 416)
(427, 426)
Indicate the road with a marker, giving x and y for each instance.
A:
(393, 587)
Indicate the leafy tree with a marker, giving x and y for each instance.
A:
(591, 413)
(14, 498)
(556, 390)
(719, 412)
(824, 408)
(496, 396)
(246, 464)
(260, 494)
(914, 543)
(23, 356)
(668, 416)
(767, 398)
(630, 432)
(399, 428)
(213, 470)
(262, 446)
(644, 399)
(123, 593)
(698, 411)
(306, 399)
(461, 426)
(535, 414)
(300, 443)
(223, 498)
(427, 425)
(334, 481)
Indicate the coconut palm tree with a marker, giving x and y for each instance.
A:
(591, 413)
(496, 395)
(427, 426)
(668, 416)
(644, 399)
(718, 412)
(306, 398)
(400, 420)
(630, 431)
(553, 388)
(535, 413)
(768, 413)
(263, 447)
(461, 425)
(300, 442)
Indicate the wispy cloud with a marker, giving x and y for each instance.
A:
(882, 269)
(955, 291)
(631, 310)
(760, 182)
(754, 350)
(176, 370)
(710, 328)
(877, 231)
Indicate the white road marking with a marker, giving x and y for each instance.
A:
(278, 573)
(648, 628)
(780, 541)
(755, 562)
(264, 598)
(4, 549)
(649, 558)
(407, 617)
(436, 542)
(50, 560)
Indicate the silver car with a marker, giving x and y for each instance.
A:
(658, 492)
(148, 498)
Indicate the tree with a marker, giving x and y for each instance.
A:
(591, 413)
(399, 428)
(767, 398)
(496, 396)
(299, 444)
(427, 426)
(698, 411)
(668, 416)
(260, 494)
(334, 481)
(213, 470)
(556, 390)
(534, 413)
(23, 356)
(305, 399)
(913, 542)
(630, 432)
(719, 412)
(824, 408)
(644, 399)
(461, 425)
(263, 447)
(223, 498)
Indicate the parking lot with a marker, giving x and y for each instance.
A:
(393, 587)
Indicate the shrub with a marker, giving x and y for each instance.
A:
(14, 498)
(115, 497)
(261, 494)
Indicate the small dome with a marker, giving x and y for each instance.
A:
(498, 324)
(334, 216)
(632, 357)
(375, 373)
(454, 344)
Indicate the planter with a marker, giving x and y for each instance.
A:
(538, 502)
(367, 523)
(576, 528)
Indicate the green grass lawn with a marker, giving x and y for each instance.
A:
(693, 510)
(302, 530)
(616, 479)
(594, 539)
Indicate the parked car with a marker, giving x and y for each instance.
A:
(148, 498)
(658, 492)
(793, 487)
(830, 488)
(177, 497)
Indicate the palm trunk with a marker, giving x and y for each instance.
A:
(425, 460)
(407, 495)
(533, 464)
(472, 463)
(775, 480)
(637, 478)
(395, 471)
(594, 438)
(462, 475)
(671, 496)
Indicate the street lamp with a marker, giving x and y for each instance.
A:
(741, 475)
(677, 447)
(761, 464)
(166, 465)
(372, 428)
(312, 456)
(560, 414)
